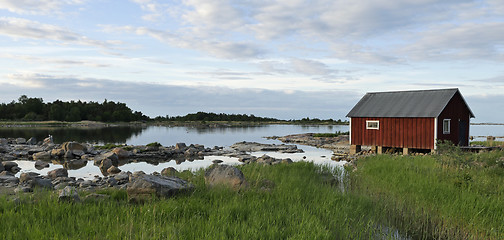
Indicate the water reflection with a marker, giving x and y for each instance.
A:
(115, 134)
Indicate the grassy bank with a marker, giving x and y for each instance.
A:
(450, 196)
(298, 201)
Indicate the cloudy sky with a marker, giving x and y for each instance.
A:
(286, 59)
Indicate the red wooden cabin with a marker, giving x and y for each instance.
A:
(409, 120)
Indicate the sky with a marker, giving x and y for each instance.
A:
(287, 59)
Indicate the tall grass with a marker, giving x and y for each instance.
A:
(451, 196)
(297, 201)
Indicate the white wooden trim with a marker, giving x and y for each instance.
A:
(373, 121)
(350, 132)
(448, 120)
(435, 133)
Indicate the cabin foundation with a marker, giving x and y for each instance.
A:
(354, 149)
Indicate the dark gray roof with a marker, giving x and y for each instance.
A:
(422, 103)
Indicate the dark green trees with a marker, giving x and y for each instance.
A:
(31, 109)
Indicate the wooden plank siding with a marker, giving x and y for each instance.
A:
(394, 132)
(456, 111)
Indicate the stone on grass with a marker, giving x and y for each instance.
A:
(69, 194)
(225, 175)
(143, 187)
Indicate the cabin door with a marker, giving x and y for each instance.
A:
(462, 133)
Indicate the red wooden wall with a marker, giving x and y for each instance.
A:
(456, 111)
(394, 132)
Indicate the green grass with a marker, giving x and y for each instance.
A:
(453, 195)
(303, 204)
(488, 143)
(450, 196)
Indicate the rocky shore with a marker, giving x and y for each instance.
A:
(340, 145)
(74, 155)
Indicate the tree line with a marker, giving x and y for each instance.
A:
(34, 109)
(204, 116)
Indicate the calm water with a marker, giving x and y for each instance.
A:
(168, 136)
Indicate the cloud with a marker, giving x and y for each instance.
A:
(310, 67)
(173, 100)
(153, 8)
(458, 41)
(36, 7)
(24, 28)
(221, 49)
(59, 62)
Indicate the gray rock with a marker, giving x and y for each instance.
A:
(2, 168)
(112, 182)
(48, 140)
(180, 146)
(69, 194)
(86, 183)
(15, 169)
(169, 171)
(23, 189)
(109, 155)
(3, 141)
(59, 152)
(122, 177)
(59, 172)
(73, 146)
(287, 161)
(121, 153)
(21, 140)
(41, 164)
(42, 183)
(113, 170)
(27, 176)
(225, 175)
(144, 186)
(9, 179)
(75, 164)
(96, 197)
(68, 154)
(257, 147)
(9, 165)
(41, 156)
(6, 173)
(105, 165)
(217, 161)
(32, 141)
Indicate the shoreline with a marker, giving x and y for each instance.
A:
(21, 124)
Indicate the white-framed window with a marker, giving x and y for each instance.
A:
(446, 126)
(372, 124)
